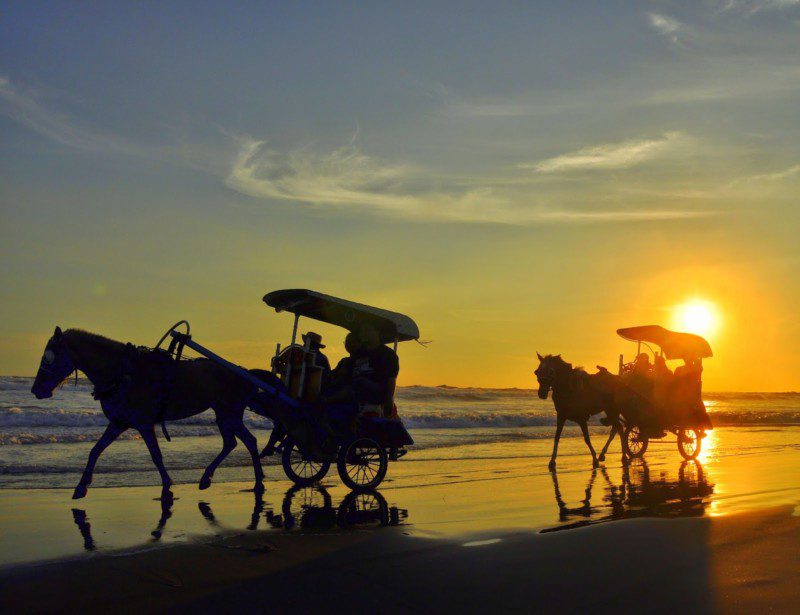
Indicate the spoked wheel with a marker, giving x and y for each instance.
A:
(301, 471)
(635, 441)
(689, 441)
(362, 464)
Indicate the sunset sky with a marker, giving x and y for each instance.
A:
(515, 178)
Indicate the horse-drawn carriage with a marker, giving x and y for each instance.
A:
(304, 436)
(658, 400)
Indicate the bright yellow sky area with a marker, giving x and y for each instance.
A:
(518, 178)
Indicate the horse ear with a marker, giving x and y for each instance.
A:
(57, 333)
(541, 358)
(558, 356)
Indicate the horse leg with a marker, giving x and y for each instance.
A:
(559, 428)
(149, 437)
(228, 444)
(614, 427)
(111, 433)
(250, 443)
(588, 440)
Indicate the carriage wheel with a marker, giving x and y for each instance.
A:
(635, 441)
(301, 471)
(689, 443)
(362, 464)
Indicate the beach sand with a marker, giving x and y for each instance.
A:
(447, 531)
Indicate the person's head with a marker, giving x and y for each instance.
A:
(352, 343)
(314, 340)
(643, 359)
(369, 336)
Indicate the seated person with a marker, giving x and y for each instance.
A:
(642, 364)
(660, 369)
(313, 341)
(375, 368)
(341, 376)
(372, 370)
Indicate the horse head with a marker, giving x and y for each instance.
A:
(547, 373)
(55, 367)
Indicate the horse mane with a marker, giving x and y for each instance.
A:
(95, 338)
(556, 358)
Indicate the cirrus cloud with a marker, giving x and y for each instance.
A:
(609, 156)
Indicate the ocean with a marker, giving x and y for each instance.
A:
(44, 443)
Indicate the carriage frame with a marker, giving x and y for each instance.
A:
(663, 413)
(361, 455)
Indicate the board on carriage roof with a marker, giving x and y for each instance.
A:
(391, 326)
(666, 400)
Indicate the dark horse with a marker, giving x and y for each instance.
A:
(126, 381)
(577, 396)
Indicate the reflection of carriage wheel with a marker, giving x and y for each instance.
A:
(362, 507)
(299, 500)
(299, 469)
(689, 443)
(635, 441)
(691, 472)
(362, 464)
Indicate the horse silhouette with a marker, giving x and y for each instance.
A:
(577, 396)
(138, 388)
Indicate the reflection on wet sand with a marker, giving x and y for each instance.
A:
(639, 495)
(302, 508)
(312, 508)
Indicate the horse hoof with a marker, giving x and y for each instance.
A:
(166, 496)
(602, 457)
(205, 483)
(625, 461)
(80, 492)
(595, 464)
(551, 465)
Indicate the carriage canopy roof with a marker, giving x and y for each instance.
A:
(674, 344)
(347, 314)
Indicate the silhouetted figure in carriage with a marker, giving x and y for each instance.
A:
(313, 343)
(364, 381)
(341, 377)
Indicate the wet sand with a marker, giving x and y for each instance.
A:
(452, 529)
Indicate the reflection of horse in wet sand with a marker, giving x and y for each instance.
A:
(577, 396)
(639, 495)
(138, 389)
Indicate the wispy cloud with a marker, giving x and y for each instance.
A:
(751, 7)
(349, 178)
(777, 176)
(346, 178)
(24, 106)
(623, 216)
(609, 156)
(666, 26)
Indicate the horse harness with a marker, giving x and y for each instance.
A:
(113, 395)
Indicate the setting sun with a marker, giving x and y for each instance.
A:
(697, 316)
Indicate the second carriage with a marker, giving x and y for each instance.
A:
(663, 401)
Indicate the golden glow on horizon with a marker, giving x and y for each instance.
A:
(697, 316)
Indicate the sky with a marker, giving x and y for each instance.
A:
(517, 177)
